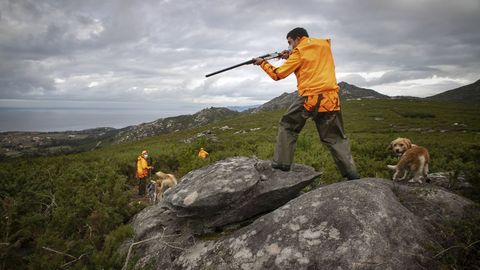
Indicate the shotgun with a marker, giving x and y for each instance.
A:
(266, 57)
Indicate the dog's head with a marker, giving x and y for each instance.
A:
(400, 145)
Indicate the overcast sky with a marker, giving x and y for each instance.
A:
(155, 54)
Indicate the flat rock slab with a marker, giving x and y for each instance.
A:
(235, 189)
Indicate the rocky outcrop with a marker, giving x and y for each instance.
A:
(362, 224)
(235, 189)
(207, 134)
(352, 225)
(211, 201)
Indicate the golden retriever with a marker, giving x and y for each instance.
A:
(414, 159)
(400, 145)
(163, 182)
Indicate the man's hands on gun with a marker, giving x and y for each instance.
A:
(283, 55)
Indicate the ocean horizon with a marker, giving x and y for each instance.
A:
(70, 119)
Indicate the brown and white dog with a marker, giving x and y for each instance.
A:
(413, 158)
(400, 145)
(163, 182)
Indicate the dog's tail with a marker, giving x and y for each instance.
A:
(392, 167)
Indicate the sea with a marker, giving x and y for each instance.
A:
(41, 119)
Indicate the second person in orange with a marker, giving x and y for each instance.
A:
(202, 154)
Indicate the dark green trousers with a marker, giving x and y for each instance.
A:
(330, 130)
(142, 186)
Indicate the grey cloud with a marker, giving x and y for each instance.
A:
(39, 29)
(403, 33)
(20, 79)
(405, 74)
(53, 49)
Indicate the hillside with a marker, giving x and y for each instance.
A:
(277, 103)
(172, 124)
(79, 204)
(15, 144)
(347, 92)
(468, 94)
(350, 91)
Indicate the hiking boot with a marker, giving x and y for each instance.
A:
(352, 176)
(281, 167)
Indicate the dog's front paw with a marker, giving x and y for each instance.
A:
(415, 180)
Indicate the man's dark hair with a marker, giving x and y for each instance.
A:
(297, 33)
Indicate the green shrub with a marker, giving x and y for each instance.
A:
(111, 256)
(460, 243)
(416, 114)
(79, 204)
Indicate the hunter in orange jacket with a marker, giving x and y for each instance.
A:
(312, 62)
(142, 165)
(202, 154)
(142, 172)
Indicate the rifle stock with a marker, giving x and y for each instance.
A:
(266, 57)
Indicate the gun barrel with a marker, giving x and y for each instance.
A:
(232, 67)
(266, 56)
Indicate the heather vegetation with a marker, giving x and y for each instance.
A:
(71, 211)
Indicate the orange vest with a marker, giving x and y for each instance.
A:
(142, 167)
(313, 65)
(203, 154)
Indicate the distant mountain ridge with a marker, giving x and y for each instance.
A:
(468, 93)
(350, 91)
(281, 102)
(242, 108)
(45, 143)
(213, 114)
(172, 124)
(347, 92)
(14, 144)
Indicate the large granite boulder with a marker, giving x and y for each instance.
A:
(235, 189)
(230, 192)
(351, 225)
(361, 224)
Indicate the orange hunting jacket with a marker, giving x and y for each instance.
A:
(202, 154)
(142, 167)
(313, 65)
